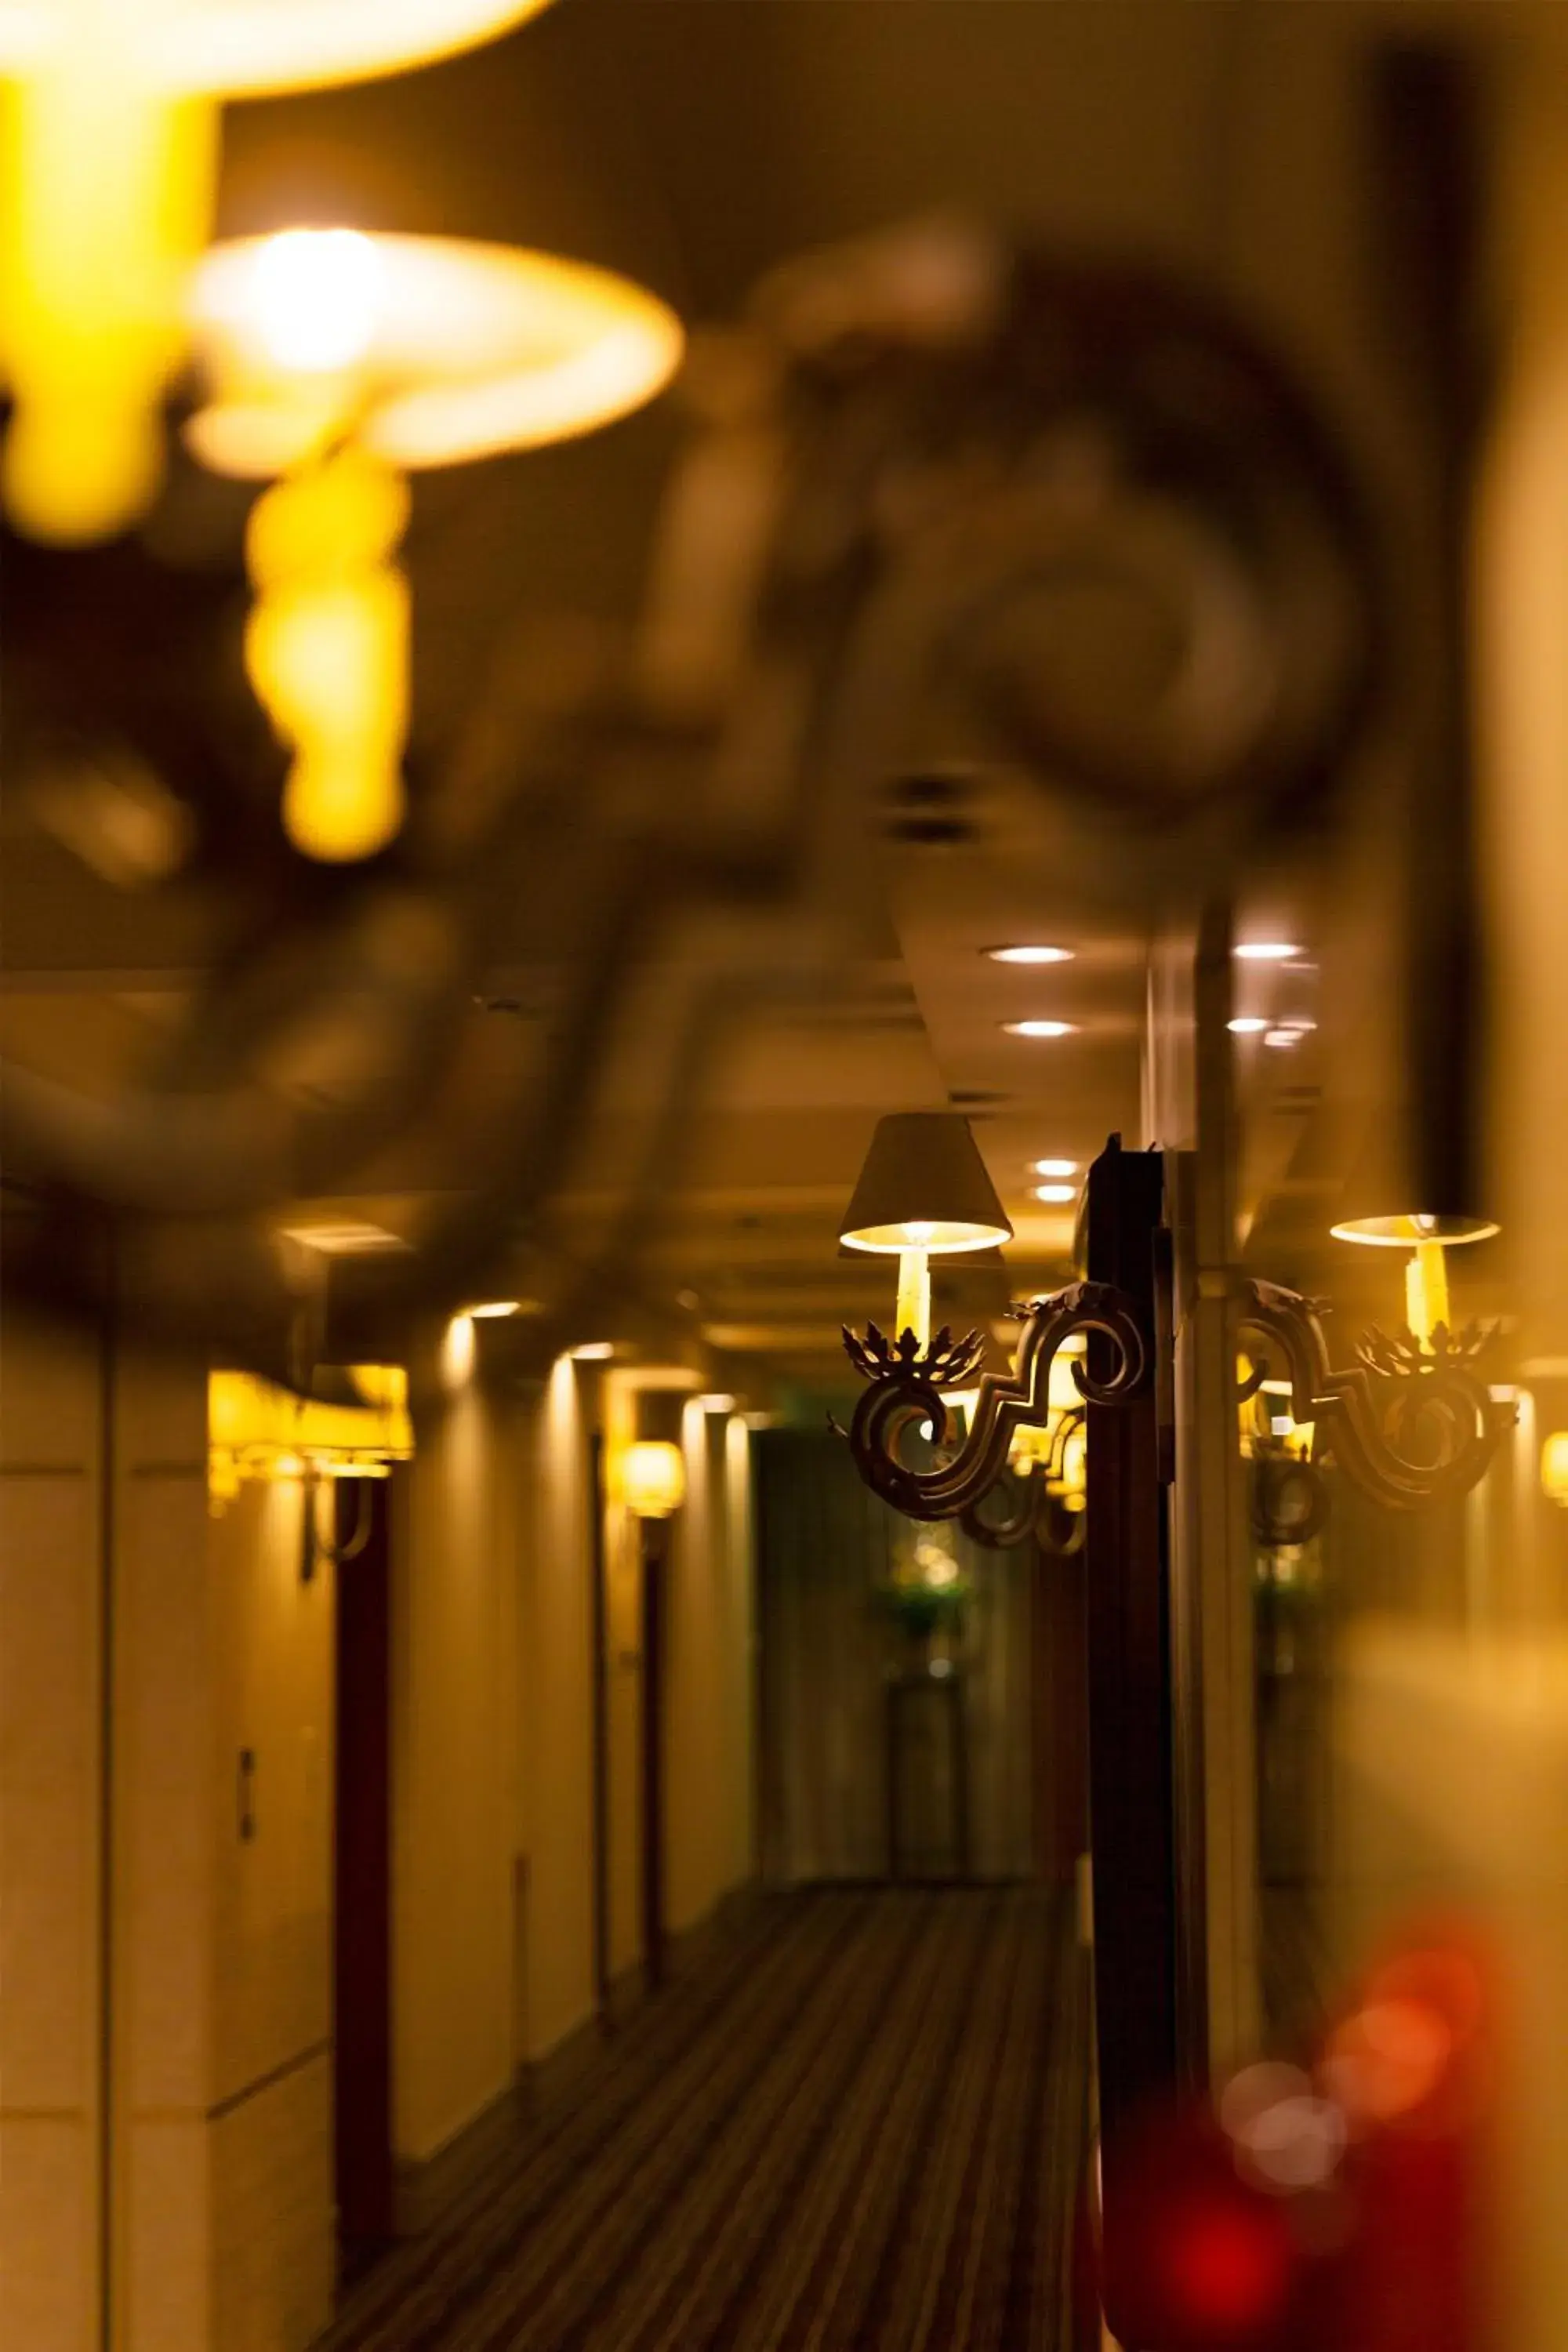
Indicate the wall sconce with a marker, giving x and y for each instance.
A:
(653, 1479)
(923, 1193)
(256, 1431)
(106, 180)
(338, 363)
(1411, 1421)
(1045, 1471)
(924, 1189)
(1555, 1468)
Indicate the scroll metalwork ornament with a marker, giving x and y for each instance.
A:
(1411, 1425)
(904, 1393)
(1038, 1510)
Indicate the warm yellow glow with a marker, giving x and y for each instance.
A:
(1425, 1292)
(109, 149)
(932, 1237)
(715, 1401)
(240, 47)
(653, 1479)
(257, 1430)
(327, 649)
(458, 1347)
(106, 191)
(439, 351)
(1555, 1468)
(495, 1310)
(914, 1295)
(1413, 1227)
(317, 293)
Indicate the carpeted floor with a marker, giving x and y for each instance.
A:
(858, 2124)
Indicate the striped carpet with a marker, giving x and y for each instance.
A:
(857, 2122)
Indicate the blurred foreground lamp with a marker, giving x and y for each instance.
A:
(923, 1193)
(109, 152)
(653, 1479)
(339, 363)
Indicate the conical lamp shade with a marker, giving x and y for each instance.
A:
(925, 1187)
(1377, 1206)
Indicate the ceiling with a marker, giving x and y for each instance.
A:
(696, 145)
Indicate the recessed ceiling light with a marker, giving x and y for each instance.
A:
(714, 1401)
(491, 1311)
(1247, 1025)
(594, 1351)
(1264, 951)
(1029, 955)
(1059, 1194)
(346, 1237)
(1039, 1028)
(1054, 1167)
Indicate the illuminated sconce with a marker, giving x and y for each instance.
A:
(1426, 1238)
(107, 169)
(653, 1479)
(923, 1193)
(257, 1430)
(339, 363)
(1555, 1468)
(1410, 1421)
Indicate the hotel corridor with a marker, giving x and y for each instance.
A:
(857, 2120)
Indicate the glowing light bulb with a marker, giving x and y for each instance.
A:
(316, 296)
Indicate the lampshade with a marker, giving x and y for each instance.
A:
(925, 1187)
(441, 350)
(653, 1479)
(1382, 1204)
(1412, 1229)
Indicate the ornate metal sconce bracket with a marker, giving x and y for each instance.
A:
(1410, 1425)
(1038, 1505)
(906, 1383)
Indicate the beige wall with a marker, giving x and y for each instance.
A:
(220, 2231)
(271, 2071)
(50, 1711)
(454, 1793)
(707, 1755)
(556, 1699)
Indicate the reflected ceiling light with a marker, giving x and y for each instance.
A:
(1054, 1167)
(337, 362)
(493, 1310)
(1247, 1025)
(1284, 1041)
(594, 1351)
(715, 1401)
(1057, 1193)
(923, 1193)
(107, 179)
(1264, 951)
(1039, 1028)
(1029, 955)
